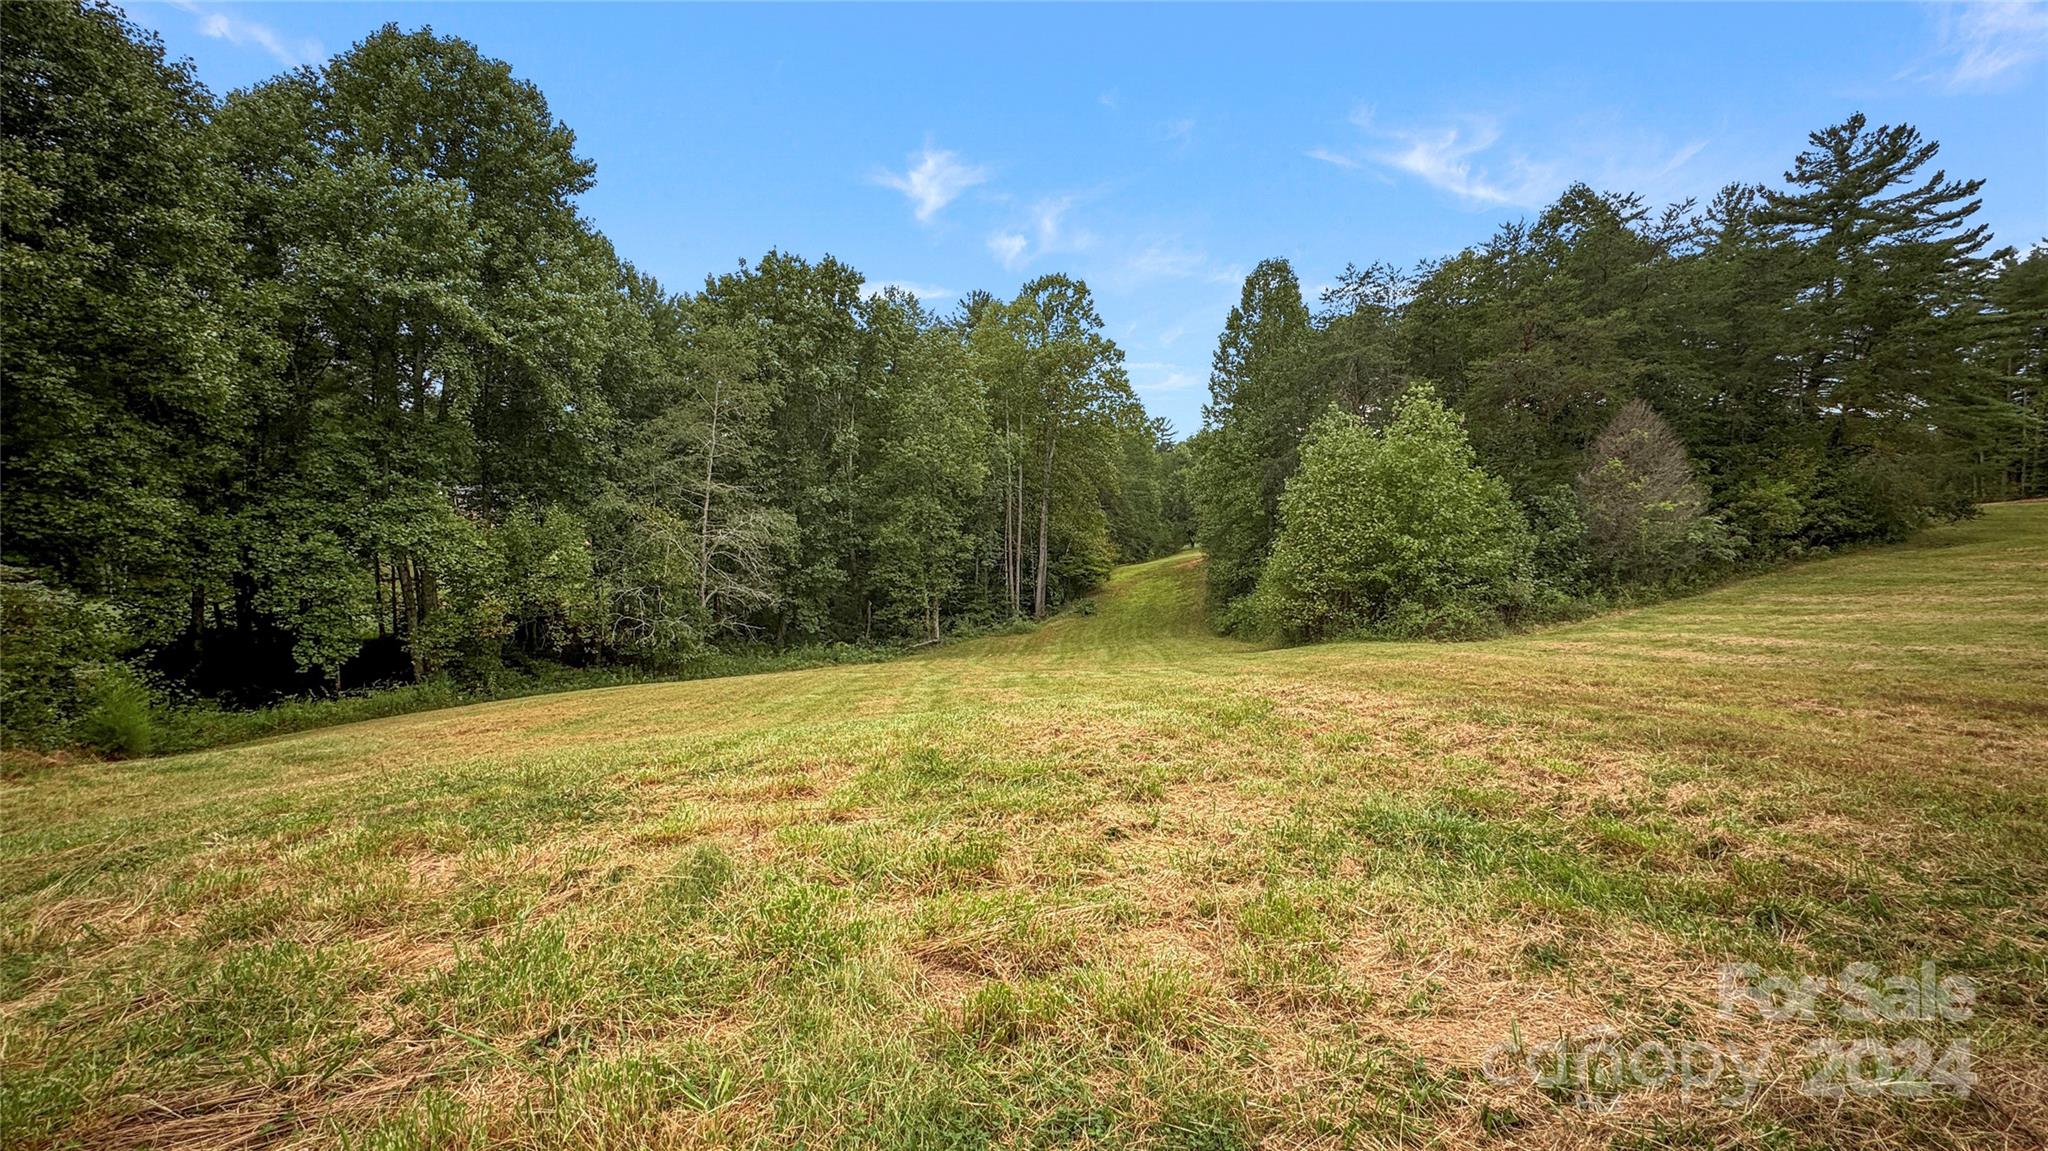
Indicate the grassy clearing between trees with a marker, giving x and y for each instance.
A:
(1114, 882)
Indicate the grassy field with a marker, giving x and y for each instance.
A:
(1117, 882)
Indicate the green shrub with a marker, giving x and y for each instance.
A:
(1860, 495)
(1397, 533)
(116, 722)
(1764, 512)
(50, 640)
(1562, 562)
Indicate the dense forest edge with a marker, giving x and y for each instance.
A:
(326, 386)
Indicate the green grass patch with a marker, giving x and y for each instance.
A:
(1112, 881)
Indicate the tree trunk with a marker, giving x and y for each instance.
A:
(409, 594)
(1044, 524)
(430, 594)
(1009, 524)
(1016, 497)
(704, 528)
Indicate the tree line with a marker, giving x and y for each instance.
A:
(328, 382)
(1608, 401)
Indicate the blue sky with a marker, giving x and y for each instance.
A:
(1160, 151)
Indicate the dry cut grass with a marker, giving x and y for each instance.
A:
(1113, 883)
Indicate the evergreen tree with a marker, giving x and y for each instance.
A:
(2019, 354)
(1892, 299)
(1644, 514)
(1261, 401)
(1563, 342)
(1722, 372)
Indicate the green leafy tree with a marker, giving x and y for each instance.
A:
(804, 321)
(1144, 521)
(643, 565)
(549, 577)
(54, 641)
(1396, 533)
(1060, 386)
(430, 325)
(115, 342)
(998, 359)
(463, 630)
(304, 575)
(702, 455)
(1359, 349)
(1176, 510)
(932, 461)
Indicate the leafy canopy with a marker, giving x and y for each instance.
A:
(1394, 532)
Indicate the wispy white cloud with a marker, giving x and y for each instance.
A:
(1443, 158)
(934, 181)
(1049, 219)
(1468, 157)
(1167, 258)
(1988, 42)
(1043, 230)
(236, 30)
(1153, 378)
(1008, 248)
(1681, 157)
(1180, 131)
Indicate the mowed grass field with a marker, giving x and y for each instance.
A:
(1117, 882)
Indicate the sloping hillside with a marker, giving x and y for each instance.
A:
(1117, 881)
